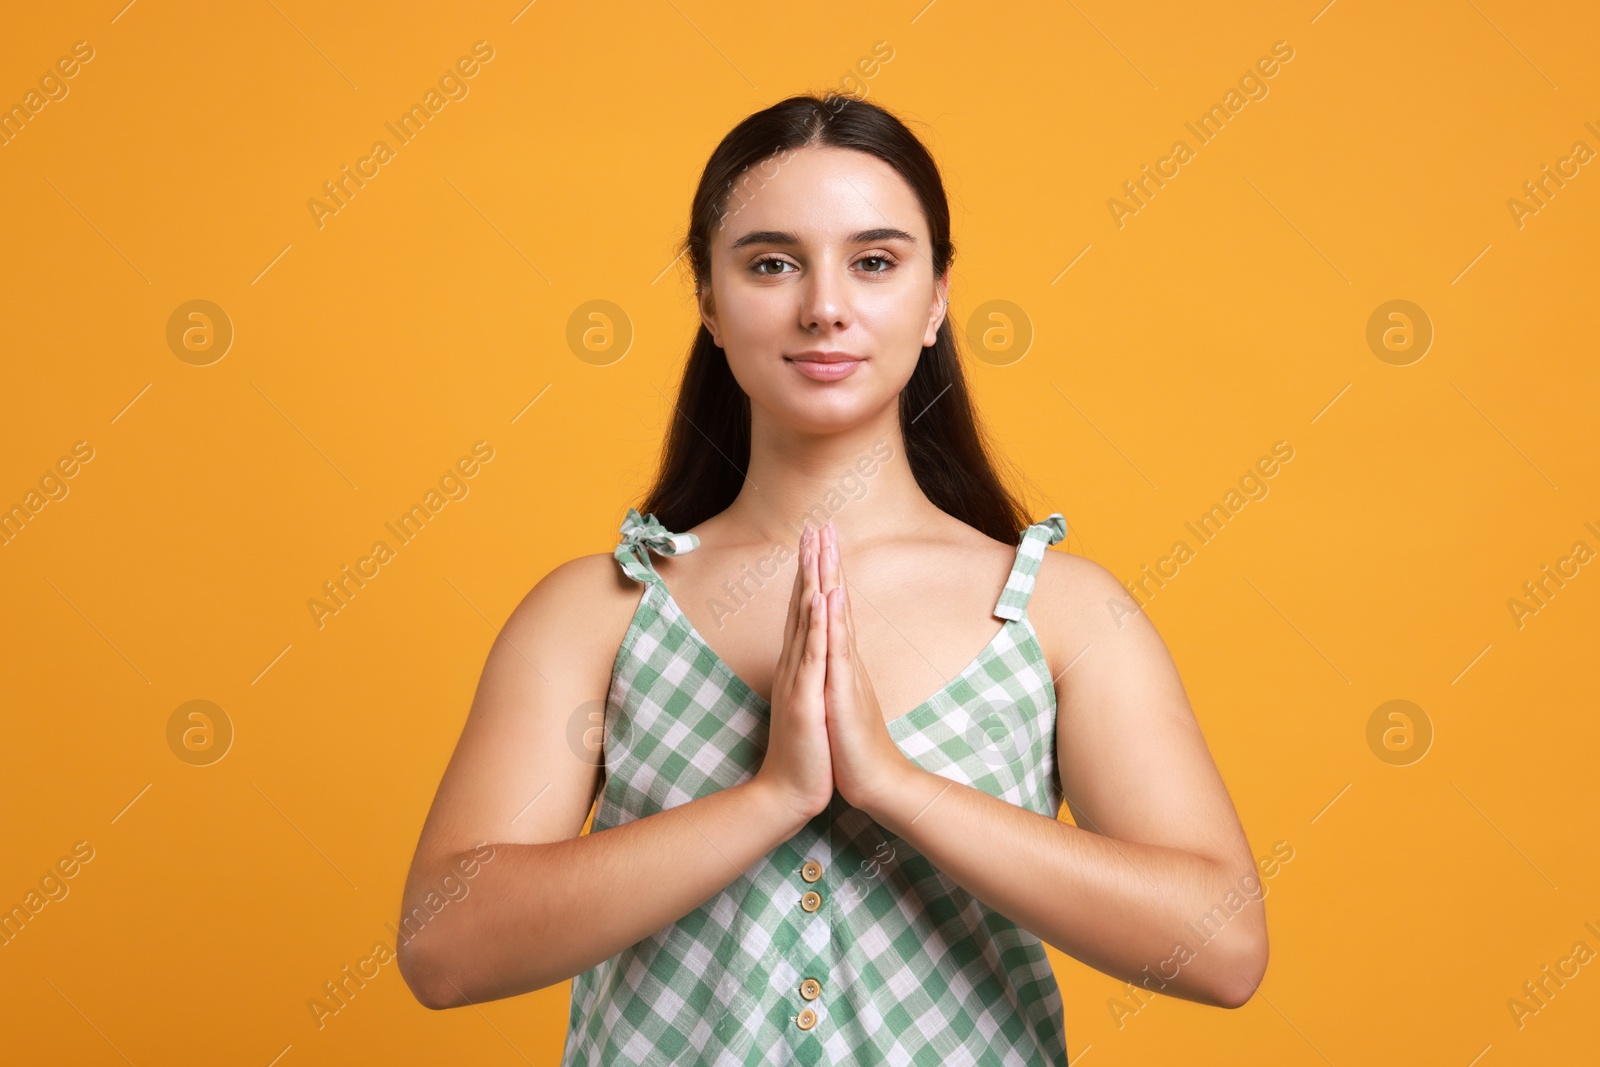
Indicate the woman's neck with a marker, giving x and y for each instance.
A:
(799, 478)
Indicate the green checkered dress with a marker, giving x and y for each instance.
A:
(843, 945)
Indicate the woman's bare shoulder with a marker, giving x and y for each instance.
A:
(597, 576)
(1074, 601)
(547, 668)
(582, 607)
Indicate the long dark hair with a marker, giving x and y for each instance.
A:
(708, 446)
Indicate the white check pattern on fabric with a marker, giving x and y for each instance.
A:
(910, 970)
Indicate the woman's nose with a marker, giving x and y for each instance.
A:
(825, 302)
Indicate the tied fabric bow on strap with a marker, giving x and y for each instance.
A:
(1057, 524)
(641, 532)
(1035, 539)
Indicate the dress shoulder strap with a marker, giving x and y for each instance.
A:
(642, 533)
(1013, 603)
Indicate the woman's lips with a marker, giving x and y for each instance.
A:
(826, 372)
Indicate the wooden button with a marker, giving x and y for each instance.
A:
(806, 1019)
(811, 871)
(811, 989)
(811, 901)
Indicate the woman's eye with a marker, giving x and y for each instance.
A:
(885, 265)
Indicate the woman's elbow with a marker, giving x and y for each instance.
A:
(1240, 981)
(426, 979)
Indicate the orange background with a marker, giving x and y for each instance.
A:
(371, 352)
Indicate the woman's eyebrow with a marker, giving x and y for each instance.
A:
(784, 237)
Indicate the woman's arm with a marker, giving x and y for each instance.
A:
(547, 903)
(1156, 885)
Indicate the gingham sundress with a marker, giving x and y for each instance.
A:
(843, 945)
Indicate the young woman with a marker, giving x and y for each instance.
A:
(824, 831)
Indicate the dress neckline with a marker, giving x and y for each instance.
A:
(642, 534)
(747, 694)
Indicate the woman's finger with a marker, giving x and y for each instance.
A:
(828, 571)
(794, 588)
(797, 590)
(813, 665)
(794, 623)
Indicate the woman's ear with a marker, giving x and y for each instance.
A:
(708, 312)
(937, 309)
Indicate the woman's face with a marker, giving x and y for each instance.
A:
(822, 250)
